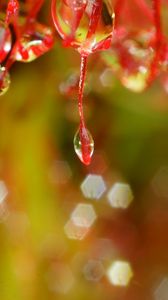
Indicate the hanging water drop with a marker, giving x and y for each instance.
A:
(4, 81)
(34, 43)
(130, 60)
(84, 145)
(84, 25)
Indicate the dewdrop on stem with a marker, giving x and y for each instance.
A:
(84, 145)
(87, 26)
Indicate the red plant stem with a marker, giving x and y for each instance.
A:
(54, 17)
(12, 11)
(158, 41)
(35, 9)
(77, 16)
(31, 17)
(75, 20)
(94, 18)
(83, 69)
(157, 21)
(12, 18)
(11, 58)
(145, 8)
(118, 10)
(119, 6)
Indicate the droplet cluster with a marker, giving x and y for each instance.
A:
(135, 44)
(86, 26)
(22, 38)
(136, 48)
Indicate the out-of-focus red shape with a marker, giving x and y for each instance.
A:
(12, 10)
(5, 41)
(34, 43)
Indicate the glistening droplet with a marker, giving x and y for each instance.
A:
(136, 82)
(35, 43)
(4, 80)
(130, 60)
(84, 145)
(5, 41)
(83, 24)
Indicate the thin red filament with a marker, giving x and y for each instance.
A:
(83, 69)
(94, 19)
(54, 17)
(84, 137)
(158, 40)
(118, 10)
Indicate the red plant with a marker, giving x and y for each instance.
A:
(131, 33)
(87, 26)
(22, 38)
(137, 44)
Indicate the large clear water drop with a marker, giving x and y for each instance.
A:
(130, 59)
(84, 145)
(34, 43)
(86, 25)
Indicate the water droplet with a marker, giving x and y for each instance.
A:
(130, 60)
(84, 145)
(32, 45)
(85, 25)
(136, 82)
(4, 81)
(5, 41)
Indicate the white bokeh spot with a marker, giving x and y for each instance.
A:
(93, 186)
(120, 195)
(120, 273)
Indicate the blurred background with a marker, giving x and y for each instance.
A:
(68, 231)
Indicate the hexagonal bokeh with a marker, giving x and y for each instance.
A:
(80, 222)
(120, 273)
(120, 195)
(83, 215)
(3, 191)
(93, 270)
(3, 204)
(107, 78)
(161, 292)
(93, 186)
(75, 232)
